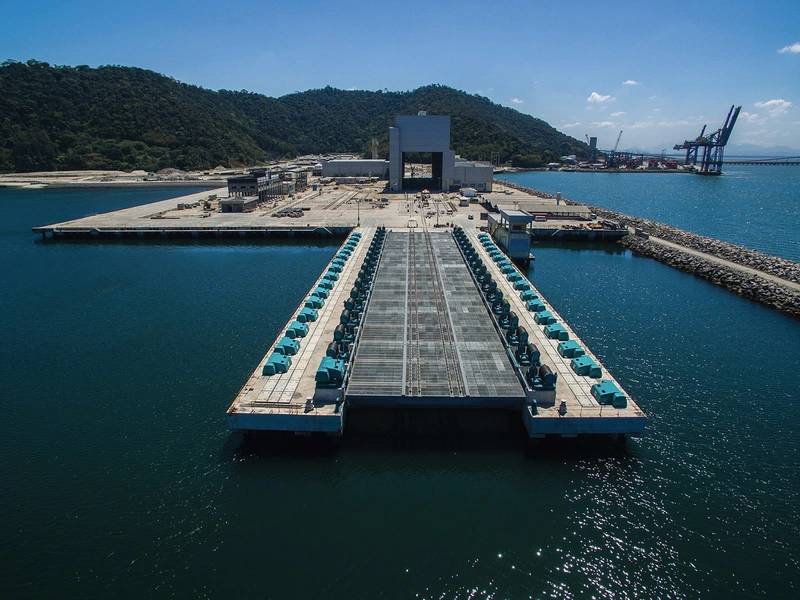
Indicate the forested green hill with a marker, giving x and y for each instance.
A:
(54, 117)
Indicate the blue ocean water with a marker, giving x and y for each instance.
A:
(754, 206)
(120, 479)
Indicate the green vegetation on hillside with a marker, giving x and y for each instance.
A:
(126, 118)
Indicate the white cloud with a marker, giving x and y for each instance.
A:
(619, 113)
(676, 123)
(630, 82)
(517, 101)
(603, 124)
(749, 117)
(570, 125)
(596, 98)
(775, 107)
(790, 49)
(652, 97)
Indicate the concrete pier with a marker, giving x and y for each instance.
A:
(580, 413)
(280, 402)
(426, 337)
(428, 340)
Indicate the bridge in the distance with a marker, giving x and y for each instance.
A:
(776, 160)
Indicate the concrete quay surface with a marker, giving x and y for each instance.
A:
(330, 210)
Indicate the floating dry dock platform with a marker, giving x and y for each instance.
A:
(415, 318)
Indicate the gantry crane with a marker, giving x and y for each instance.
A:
(713, 146)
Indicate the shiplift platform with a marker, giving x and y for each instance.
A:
(407, 323)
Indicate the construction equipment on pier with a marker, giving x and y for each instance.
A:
(713, 146)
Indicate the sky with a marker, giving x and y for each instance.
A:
(656, 70)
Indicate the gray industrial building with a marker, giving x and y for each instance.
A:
(472, 174)
(356, 168)
(430, 134)
(298, 177)
(261, 184)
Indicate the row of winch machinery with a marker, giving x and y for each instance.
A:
(333, 367)
(281, 358)
(539, 377)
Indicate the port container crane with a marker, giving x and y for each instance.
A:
(713, 146)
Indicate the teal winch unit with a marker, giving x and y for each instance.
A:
(287, 346)
(330, 373)
(307, 315)
(296, 329)
(535, 305)
(584, 365)
(607, 393)
(321, 292)
(544, 317)
(527, 295)
(314, 302)
(556, 331)
(570, 349)
(276, 363)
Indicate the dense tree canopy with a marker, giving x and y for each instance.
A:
(54, 117)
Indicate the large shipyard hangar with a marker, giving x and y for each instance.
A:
(417, 138)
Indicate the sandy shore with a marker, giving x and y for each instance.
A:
(107, 179)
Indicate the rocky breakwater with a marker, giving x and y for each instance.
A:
(766, 290)
(748, 285)
(779, 267)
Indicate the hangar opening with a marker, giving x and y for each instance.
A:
(422, 171)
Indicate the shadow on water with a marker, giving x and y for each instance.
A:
(607, 247)
(416, 435)
(314, 241)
